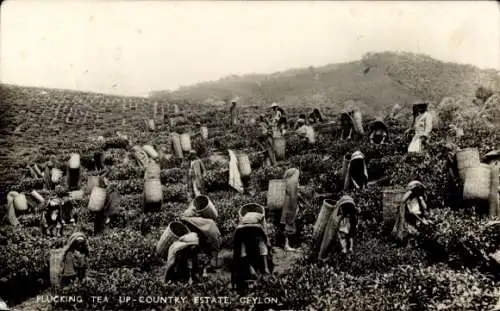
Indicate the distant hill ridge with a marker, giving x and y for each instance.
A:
(379, 79)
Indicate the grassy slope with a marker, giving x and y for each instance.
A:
(390, 78)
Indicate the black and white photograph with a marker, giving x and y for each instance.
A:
(249, 155)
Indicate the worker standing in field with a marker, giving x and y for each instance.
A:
(278, 118)
(266, 140)
(234, 111)
(422, 127)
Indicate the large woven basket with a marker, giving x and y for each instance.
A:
(323, 217)
(466, 158)
(185, 142)
(204, 132)
(204, 207)
(250, 208)
(276, 194)
(391, 200)
(151, 125)
(74, 161)
(176, 144)
(151, 152)
(20, 202)
(477, 182)
(97, 199)
(153, 191)
(493, 198)
(244, 165)
(56, 266)
(357, 119)
(279, 147)
(172, 233)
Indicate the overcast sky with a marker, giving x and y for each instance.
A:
(132, 47)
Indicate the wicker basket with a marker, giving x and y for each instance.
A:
(151, 152)
(493, 198)
(250, 208)
(276, 194)
(185, 142)
(477, 182)
(357, 119)
(56, 266)
(279, 147)
(204, 207)
(391, 200)
(20, 202)
(466, 158)
(244, 165)
(153, 191)
(151, 125)
(323, 217)
(74, 161)
(204, 132)
(176, 144)
(172, 233)
(97, 199)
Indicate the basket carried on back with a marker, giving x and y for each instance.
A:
(276, 194)
(172, 233)
(357, 120)
(244, 165)
(56, 266)
(477, 182)
(74, 161)
(391, 200)
(493, 198)
(250, 208)
(466, 158)
(153, 191)
(97, 199)
(204, 132)
(204, 207)
(323, 217)
(151, 125)
(185, 142)
(176, 144)
(20, 202)
(279, 147)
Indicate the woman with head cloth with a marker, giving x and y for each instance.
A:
(412, 211)
(378, 133)
(356, 173)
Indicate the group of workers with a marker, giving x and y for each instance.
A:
(252, 251)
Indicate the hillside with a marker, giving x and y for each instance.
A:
(379, 79)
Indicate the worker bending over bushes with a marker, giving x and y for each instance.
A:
(412, 212)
